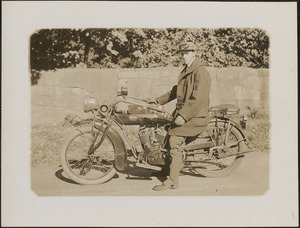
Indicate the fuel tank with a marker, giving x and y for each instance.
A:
(141, 115)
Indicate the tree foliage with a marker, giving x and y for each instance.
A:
(139, 48)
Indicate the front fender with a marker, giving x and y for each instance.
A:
(120, 161)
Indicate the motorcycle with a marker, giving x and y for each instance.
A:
(103, 144)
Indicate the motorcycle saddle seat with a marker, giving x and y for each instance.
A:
(228, 109)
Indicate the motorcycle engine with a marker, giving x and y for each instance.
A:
(152, 140)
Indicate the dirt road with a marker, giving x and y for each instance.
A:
(251, 178)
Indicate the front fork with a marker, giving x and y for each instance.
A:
(107, 121)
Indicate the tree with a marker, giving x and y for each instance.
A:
(138, 48)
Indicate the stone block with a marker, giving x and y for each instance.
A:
(41, 99)
(263, 72)
(61, 92)
(69, 98)
(50, 115)
(100, 81)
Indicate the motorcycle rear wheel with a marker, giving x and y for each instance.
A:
(219, 167)
(82, 168)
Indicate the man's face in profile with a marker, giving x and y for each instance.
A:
(188, 56)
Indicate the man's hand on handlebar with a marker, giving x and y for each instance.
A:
(179, 120)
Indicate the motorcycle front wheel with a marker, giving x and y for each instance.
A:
(207, 166)
(83, 168)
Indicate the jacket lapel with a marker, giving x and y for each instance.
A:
(187, 70)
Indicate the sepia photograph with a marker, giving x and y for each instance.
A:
(137, 109)
(156, 114)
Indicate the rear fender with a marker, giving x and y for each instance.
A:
(235, 124)
(120, 161)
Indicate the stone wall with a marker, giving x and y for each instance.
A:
(60, 93)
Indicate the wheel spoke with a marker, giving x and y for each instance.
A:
(226, 140)
(90, 166)
(102, 168)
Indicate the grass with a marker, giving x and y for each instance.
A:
(46, 140)
(258, 132)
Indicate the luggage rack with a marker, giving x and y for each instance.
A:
(225, 109)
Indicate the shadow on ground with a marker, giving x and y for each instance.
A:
(132, 172)
(60, 175)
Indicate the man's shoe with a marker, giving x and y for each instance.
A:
(174, 186)
(163, 187)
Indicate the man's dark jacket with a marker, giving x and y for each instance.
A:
(192, 93)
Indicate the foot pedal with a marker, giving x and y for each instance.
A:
(147, 166)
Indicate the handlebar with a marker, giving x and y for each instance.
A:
(120, 94)
(158, 108)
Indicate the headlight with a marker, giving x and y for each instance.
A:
(103, 108)
(90, 103)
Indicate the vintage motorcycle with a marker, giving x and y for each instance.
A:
(104, 144)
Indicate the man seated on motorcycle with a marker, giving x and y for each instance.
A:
(191, 113)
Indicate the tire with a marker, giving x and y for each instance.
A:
(88, 169)
(219, 167)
